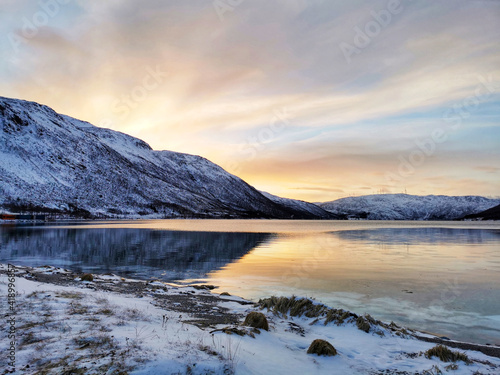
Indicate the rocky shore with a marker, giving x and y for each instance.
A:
(105, 324)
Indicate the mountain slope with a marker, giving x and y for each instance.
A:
(295, 204)
(408, 207)
(490, 214)
(54, 162)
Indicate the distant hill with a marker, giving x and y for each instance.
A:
(489, 214)
(409, 207)
(55, 163)
(299, 205)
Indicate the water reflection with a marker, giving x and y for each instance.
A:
(438, 279)
(421, 235)
(140, 253)
(442, 277)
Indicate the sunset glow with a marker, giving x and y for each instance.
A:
(313, 100)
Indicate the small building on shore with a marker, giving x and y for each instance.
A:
(23, 217)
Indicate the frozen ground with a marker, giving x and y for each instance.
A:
(113, 325)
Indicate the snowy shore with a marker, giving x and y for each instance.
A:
(112, 325)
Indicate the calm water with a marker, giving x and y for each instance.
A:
(443, 277)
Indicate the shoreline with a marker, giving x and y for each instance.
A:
(150, 309)
(138, 286)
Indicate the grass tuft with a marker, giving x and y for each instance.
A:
(106, 311)
(87, 277)
(338, 316)
(69, 295)
(100, 342)
(363, 324)
(282, 306)
(75, 308)
(447, 355)
(204, 287)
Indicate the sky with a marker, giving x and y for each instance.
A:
(307, 99)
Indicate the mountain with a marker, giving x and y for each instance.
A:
(54, 163)
(408, 207)
(490, 214)
(298, 205)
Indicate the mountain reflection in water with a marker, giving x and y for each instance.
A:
(141, 253)
(397, 236)
(442, 277)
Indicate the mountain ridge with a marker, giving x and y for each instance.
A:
(408, 207)
(489, 214)
(56, 163)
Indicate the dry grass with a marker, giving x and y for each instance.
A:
(106, 311)
(69, 295)
(29, 338)
(135, 315)
(207, 349)
(446, 355)
(30, 325)
(363, 324)
(76, 308)
(339, 316)
(34, 294)
(101, 342)
(47, 320)
(204, 287)
(293, 306)
(282, 306)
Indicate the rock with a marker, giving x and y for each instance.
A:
(256, 320)
(87, 277)
(321, 347)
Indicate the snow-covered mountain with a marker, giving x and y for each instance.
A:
(408, 207)
(298, 205)
(489, 214)
(54, 162)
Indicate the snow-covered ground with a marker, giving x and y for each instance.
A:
(113, 325)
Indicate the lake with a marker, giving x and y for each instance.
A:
(442, 277)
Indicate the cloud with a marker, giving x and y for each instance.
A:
(224, 81)
(488, 169)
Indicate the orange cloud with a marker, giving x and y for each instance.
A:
(219, 85)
